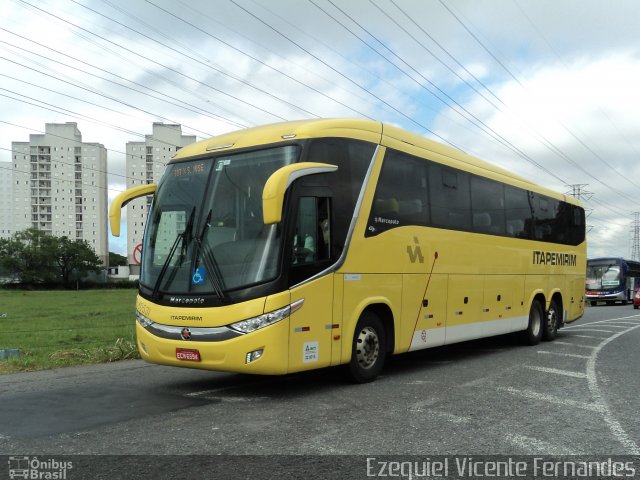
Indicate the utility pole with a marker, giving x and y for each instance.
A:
(635, 231)
(579, 191)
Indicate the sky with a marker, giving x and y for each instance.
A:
(547, 88)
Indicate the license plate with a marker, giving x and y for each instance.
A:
(188, 354)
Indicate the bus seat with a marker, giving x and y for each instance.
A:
(410, 207)
(482, 220)
(389, 206)
(515, 227)
(218, 235)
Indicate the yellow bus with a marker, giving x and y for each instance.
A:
(307, 244)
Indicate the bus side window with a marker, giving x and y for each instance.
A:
(312, 240)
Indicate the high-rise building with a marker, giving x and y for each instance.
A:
(6, 200)
(146, 162)
(60, 186)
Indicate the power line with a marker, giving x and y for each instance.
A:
(171, 69)
(280, 72)
(207, 64)
(151, 137)
(346, 77)
(13, 169)
(162, 96)
(448, 101)
(549, 144)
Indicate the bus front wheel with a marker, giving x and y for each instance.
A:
(533, 333)
(552, 321)
(368, 351)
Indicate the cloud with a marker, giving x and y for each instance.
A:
(577, 122)
(562, 79)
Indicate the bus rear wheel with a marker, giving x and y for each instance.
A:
(552, 321)
(533, 333)
(368, 351)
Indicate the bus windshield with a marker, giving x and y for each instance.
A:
(603, 276)
(205, 233)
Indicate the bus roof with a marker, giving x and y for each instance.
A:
(367, 130)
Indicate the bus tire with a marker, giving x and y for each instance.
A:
(593, 303)
(552, 321)
(533, 333)
(368, 350)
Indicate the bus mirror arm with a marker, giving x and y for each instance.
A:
(122, 199)
(279, 182)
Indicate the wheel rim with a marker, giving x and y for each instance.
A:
(367, 347)
(536, 322)
(552, 319)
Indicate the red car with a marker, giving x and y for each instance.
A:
(636, 298)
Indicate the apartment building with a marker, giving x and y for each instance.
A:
(146, 162)
(60, 186)
(6, 199)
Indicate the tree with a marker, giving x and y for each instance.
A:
(75, 256)
(117, 260)
(32, 256)
(26, 256)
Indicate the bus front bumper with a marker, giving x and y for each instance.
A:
(590, 297)
(263, 351)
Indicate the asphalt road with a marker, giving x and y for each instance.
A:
(578, 395)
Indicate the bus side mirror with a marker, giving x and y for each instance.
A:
(279, 181)
(122, 199)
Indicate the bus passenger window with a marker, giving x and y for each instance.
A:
(401, 194)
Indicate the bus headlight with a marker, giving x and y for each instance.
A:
(266, 319)
(142, 320)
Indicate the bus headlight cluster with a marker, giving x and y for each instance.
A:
(266, 319)
(142, 320)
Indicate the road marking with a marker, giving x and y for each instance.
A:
(610, 325)
(573, 344)
(574, 355)
(625, 324)
(595, 330)
(233, 399)
(530, 394)
(621, 435)
(419, 406)
(557, 371)
(420, 382)
(221, 389)
(637, 317)
(448, 416)
(530, 443)
(588, 336)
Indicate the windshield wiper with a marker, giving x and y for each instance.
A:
(217, 280)
(165, 266)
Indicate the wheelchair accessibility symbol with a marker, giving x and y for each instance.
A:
(198, 276)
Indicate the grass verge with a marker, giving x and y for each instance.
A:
(63, 328)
